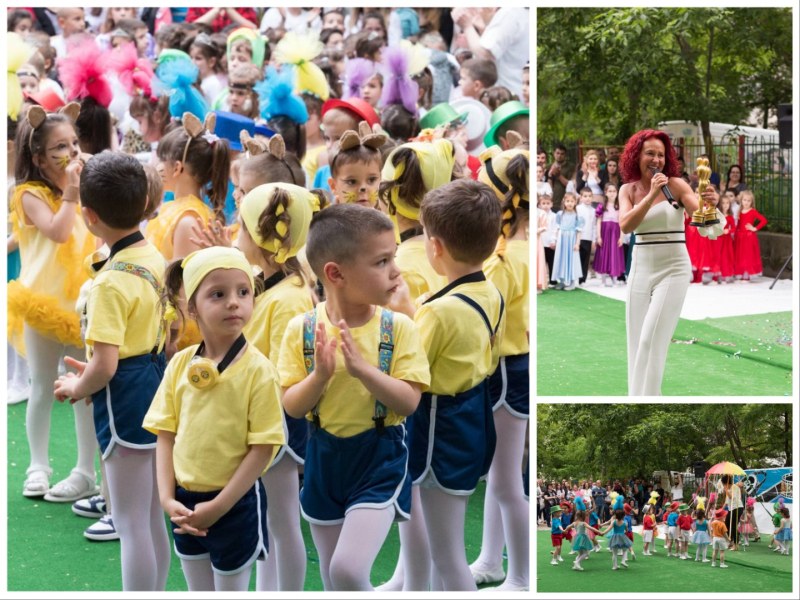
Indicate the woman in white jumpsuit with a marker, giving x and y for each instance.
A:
(660, 268)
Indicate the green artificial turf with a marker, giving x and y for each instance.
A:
(47, 550)
(756, 570)
(581, 351)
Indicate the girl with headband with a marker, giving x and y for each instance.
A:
(274, 224)
(42, 322)
(218, 420)
(505, 513)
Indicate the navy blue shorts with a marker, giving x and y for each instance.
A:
(509, 385)
(463, 439)
(368, 470)
(235, 541)
(120, 407)
(296, 431)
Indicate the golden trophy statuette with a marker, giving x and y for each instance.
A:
(703, 177)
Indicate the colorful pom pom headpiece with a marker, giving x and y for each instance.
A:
(398, 87)
(701, 503)
(300, 50)
(82, 71)
(357, 72)
(134, 73)
(277, 98)
(175, 76)
(18, 52)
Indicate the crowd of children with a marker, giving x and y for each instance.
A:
(276, 298)
(588, 226)
(679, 524)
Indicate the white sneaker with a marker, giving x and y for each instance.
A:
(614, 568)
(102, 531)
(723, 566)
(624, 564)
(572, 552)
(554, 562)
(560, 558)
(705, 560)
(713, 565)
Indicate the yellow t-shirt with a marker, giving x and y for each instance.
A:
(215, 427)
(272, 313)
(511, 276)
(161, 229)
(125, 310)
(346, 407)
(51, 274)
(310, 162)
(456, 339)
(417, 271)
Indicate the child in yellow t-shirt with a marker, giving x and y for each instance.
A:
(506, 515)
(42, 323)
(356, 370)
(453, 435)
(125, 340)
(274, 224)
(218, 420)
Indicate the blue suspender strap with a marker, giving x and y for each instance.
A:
(385, 350)
(482, 313)
(309, 337)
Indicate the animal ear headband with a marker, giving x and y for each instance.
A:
(275, 146)
(36, 115)
(365, 136)
(193, 126)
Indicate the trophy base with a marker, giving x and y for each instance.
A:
(701, 224)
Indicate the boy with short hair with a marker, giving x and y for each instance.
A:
(556, 534)
(71, 21)
(477, 75)
(356, 371)
(719, 538)
(588, 213)
(124, 334)
(453, 437)
(684, 530)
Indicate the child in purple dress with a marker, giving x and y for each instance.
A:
(609, 259)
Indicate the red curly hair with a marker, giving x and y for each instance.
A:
(629, 161)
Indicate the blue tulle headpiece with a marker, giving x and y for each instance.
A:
(176, 78)
(276, 96)
(579, 503)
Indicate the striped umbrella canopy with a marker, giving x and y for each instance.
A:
(726, 468)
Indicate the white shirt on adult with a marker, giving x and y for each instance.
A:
(507, 37)
(677, 493)
(544, 188)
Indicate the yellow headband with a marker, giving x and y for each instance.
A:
(201, 262)
(436, 161)
(302, 205)
(499, 163)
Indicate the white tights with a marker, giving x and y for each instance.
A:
(413, 570)
(139, 519)
(44, 355)
(348, 550)
(285, 567)
(444, 518)
(200, 577)
(506, 516)
(18, 375)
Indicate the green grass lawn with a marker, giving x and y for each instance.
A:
(756, 570)
(47, 551)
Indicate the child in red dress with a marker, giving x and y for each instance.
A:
(746, 249)
(726, 240)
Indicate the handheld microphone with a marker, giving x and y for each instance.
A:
(667, 192)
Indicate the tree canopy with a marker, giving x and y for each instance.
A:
(622, 440)
(603, 74)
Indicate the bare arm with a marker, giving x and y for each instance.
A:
(182, 244)
(92, 376)
(239, 20)
(58, 225)
(205, 514)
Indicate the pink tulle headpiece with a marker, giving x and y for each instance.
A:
(751, 502)
(82, 71)
(134, 73)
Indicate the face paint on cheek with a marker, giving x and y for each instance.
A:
(350, 197)
(63, 160)
(373, 196)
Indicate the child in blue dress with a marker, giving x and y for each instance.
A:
(619, 542)
(567, 264)
(581, 542)
(700, 536)
(783, 535)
